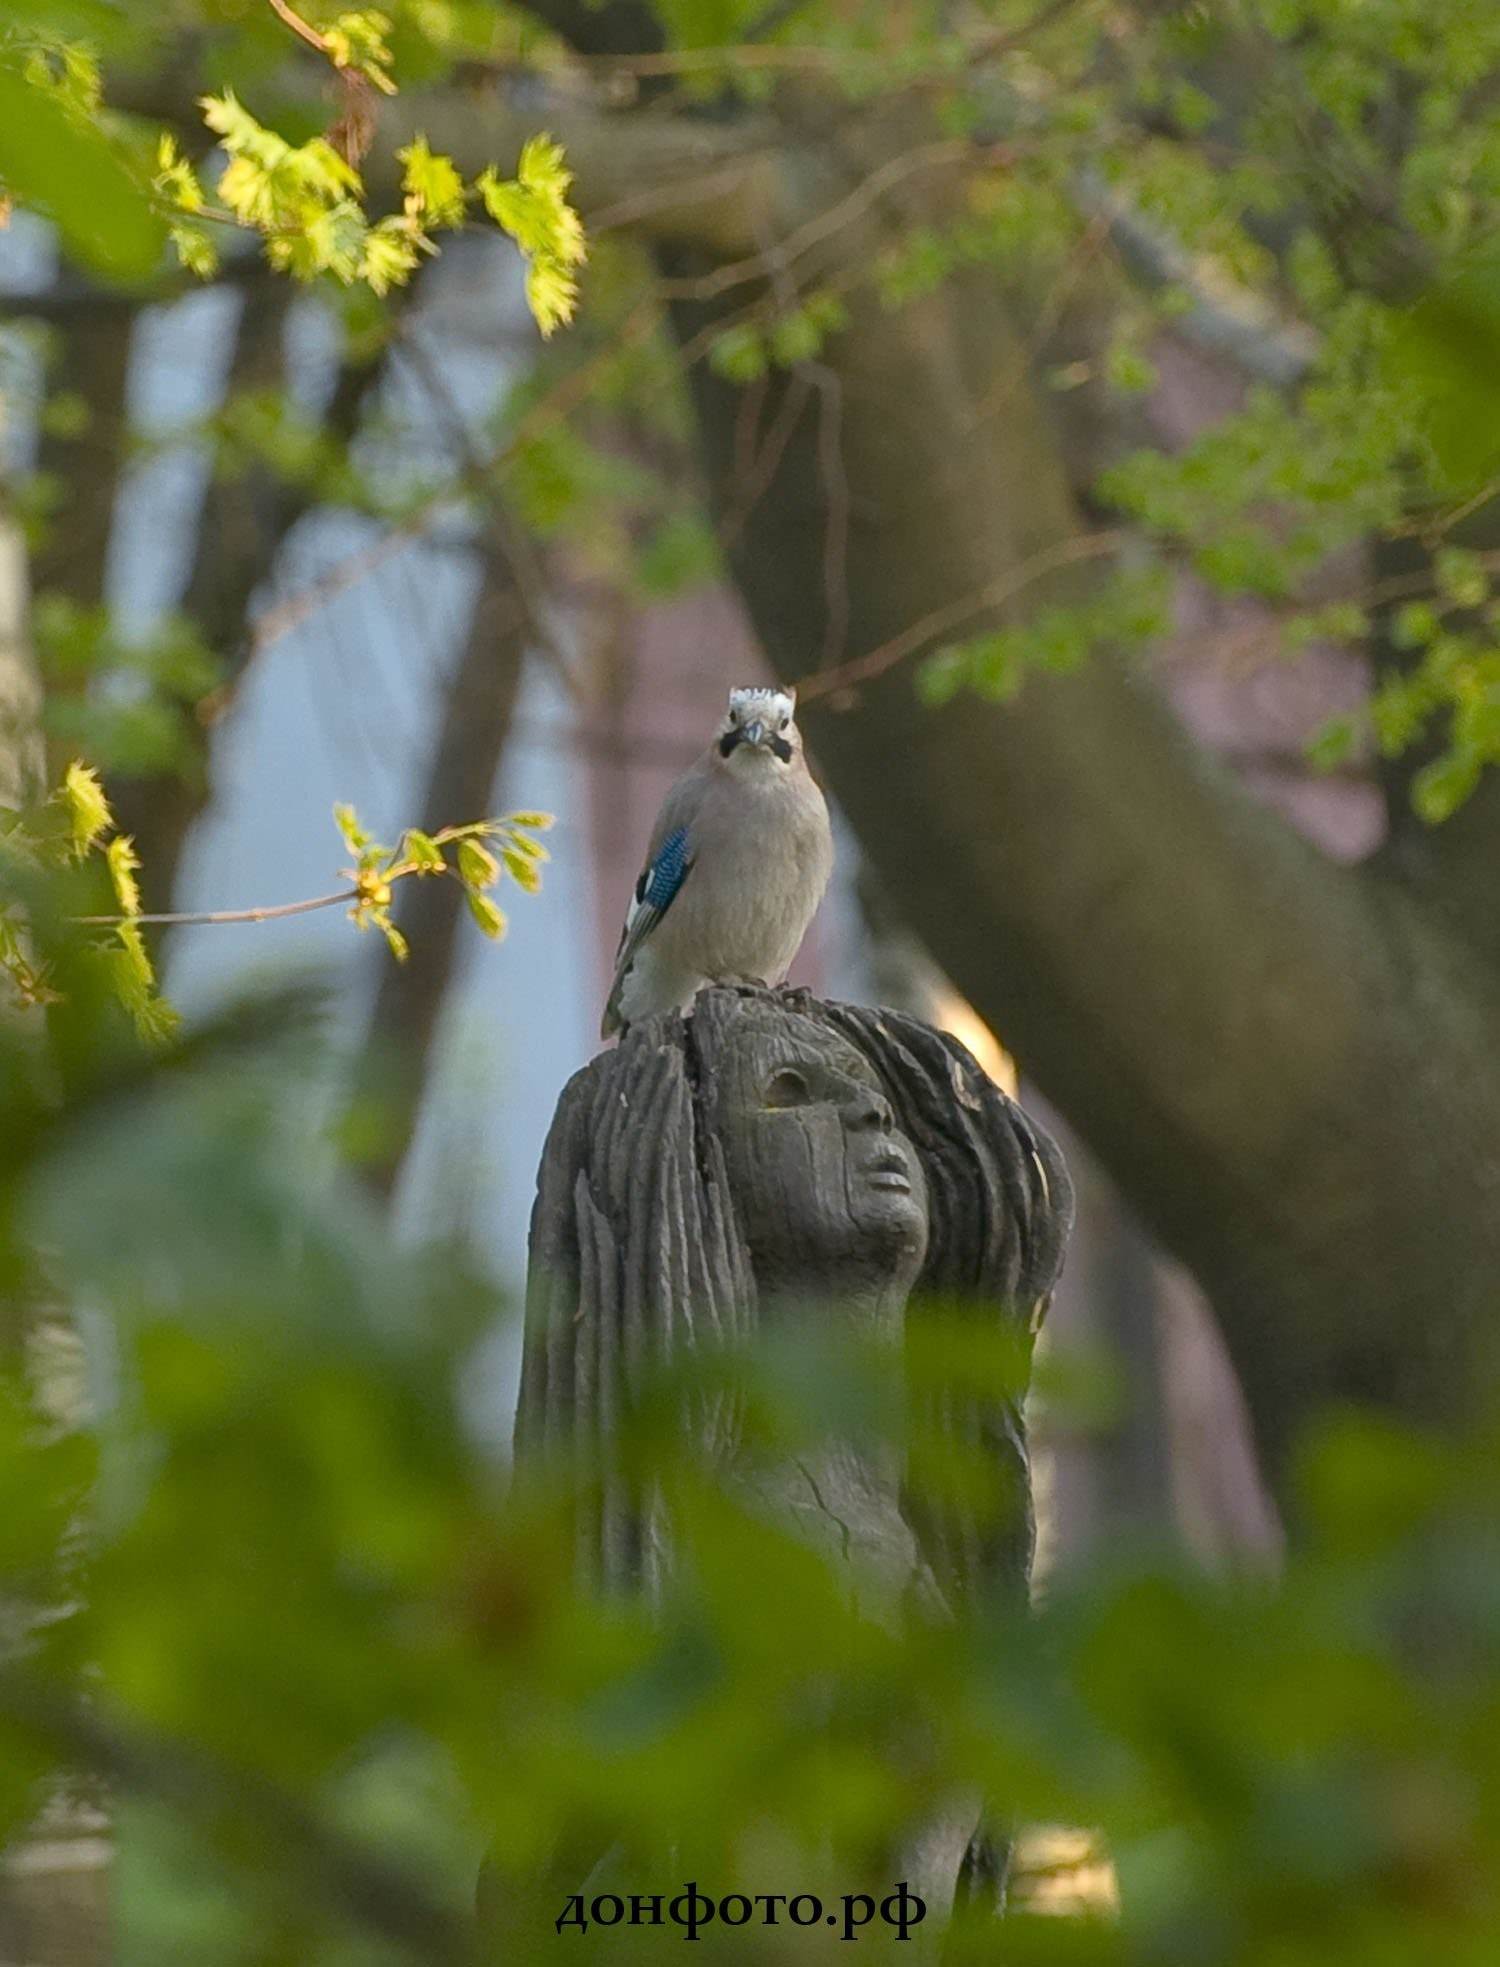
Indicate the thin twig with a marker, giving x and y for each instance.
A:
(747, 427)
(220, 914)
(955, 614)
(835, 477)
(304, 29)
(510, 538)
(1048, 314)
(283, 616)
(921, 157)
(694, 190)
(761, 468)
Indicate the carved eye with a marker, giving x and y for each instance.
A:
(787, 1088)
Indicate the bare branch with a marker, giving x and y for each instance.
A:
(958, 614)
(299, 26)
(197, 918)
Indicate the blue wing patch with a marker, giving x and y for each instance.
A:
(661, 880)
(658, 886)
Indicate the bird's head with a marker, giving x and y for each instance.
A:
(759, 731)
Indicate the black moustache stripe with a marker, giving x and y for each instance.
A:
(779, 745)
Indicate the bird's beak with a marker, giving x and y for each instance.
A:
(754, 732)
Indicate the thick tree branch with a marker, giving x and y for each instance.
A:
(1223, 317)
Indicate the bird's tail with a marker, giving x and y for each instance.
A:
(611, 1022)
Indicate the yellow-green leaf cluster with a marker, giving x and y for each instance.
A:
(359, 42)
(533, 209)
(302, 198)
(307, 202)
(434, 190)
(459, 852)
(62, 833)
(82, 799)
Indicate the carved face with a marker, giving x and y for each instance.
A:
(831, 1197)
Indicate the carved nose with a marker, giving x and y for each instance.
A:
(867, 1110)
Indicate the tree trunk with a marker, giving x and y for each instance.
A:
(20, 693)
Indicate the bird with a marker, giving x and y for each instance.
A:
(738, 862)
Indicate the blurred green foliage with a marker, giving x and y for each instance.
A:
(273, 1588)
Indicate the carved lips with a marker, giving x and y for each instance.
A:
(888, 1169)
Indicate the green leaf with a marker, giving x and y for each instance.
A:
(1461, 577)
(1130, 370)
(390, 254)
(432, 183)
(682, 553)
(1441, 787)
(424, 852)
(490, 919)
(124, 864)
(134, 981)
(87, 809)
(522, 871)
(1332, 745)
(56, 163)
(358, 42)
(477, 865)
(739, 354)
(1416, 623)
(533, 209)
(175, 177)
(195, 248)
(347, 821)
(1443, 352)
(942, 676)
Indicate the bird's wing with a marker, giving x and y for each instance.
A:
(668, 865)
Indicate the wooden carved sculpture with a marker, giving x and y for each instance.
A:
(774, 1158)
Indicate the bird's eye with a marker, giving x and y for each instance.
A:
(783, 724)
(787, 1088)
